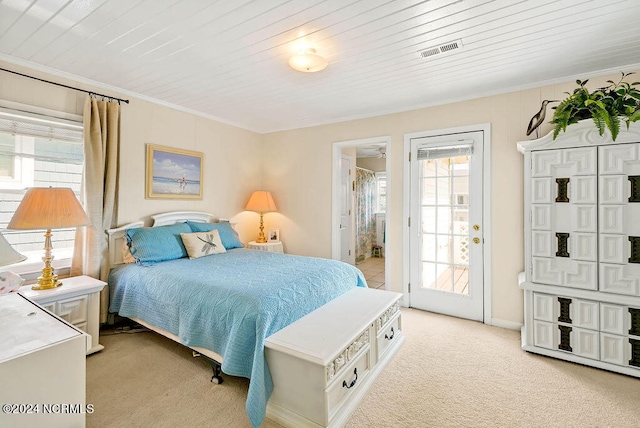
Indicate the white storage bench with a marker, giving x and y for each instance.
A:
(323, 364)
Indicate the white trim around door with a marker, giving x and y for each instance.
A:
(335, 196)
(406, 197)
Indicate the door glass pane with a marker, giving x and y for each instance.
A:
(444, 281)
(460, 165)
(445, 224)
(428, 219)
(428, 191)
(429, 168)
(444, 220)
(444, 248)
(461, 250)
(429, 247)
(429, 275)
(461, 280)
(442, 168)
(443, 191)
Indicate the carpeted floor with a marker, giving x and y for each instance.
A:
(449, 373)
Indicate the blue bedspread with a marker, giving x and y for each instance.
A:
(230, 303)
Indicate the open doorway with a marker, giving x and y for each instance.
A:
(361, 212)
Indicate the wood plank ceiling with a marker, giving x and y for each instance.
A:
(228, 59)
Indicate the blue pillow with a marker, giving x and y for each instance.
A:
(228, 235)
(157, 244)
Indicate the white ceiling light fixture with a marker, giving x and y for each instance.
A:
(308, 61)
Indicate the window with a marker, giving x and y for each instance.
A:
(381, 192)
(37, 151)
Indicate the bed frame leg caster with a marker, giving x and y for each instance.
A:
(217, 373)
(216, 366)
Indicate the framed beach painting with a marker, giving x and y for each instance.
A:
(173, 173)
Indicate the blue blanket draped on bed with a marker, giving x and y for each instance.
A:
(230, 303)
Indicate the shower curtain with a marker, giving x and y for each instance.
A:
(365, 212)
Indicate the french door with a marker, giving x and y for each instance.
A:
(446, 231)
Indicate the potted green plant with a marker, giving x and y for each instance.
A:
(607, 106)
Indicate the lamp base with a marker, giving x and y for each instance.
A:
(261, 238)
(46, 286)
(48, 279)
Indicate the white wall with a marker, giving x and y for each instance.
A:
(232, 156)
(302, 179)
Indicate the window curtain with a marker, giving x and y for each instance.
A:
(99, 192)
(365, 212)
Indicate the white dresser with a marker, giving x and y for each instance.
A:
(323, 364)
(582, 247)
(42, 367)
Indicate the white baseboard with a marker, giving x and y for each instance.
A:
(510, 325)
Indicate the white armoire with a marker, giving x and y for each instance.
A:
(582, 247)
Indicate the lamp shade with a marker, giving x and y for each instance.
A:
(261, 201)
(48, 208)
(8, 255)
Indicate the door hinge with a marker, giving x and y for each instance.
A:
(349, 252)
(353, 186)
(349, 171)
(349, 212)
(409, 287)
(409, 156)
(409, 222)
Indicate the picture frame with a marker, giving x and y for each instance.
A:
(273, 235)
(173, 173)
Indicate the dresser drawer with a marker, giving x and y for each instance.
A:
(348, 381)
(385, 338)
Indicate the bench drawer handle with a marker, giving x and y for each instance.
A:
(353, 382)
(393, 333)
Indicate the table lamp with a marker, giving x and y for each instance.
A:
(48, 208)
(9, 281)
(261, 202)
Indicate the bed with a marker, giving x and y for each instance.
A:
(223, 305)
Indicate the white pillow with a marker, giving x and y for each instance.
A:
(200, 244)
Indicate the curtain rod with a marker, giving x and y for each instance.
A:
(65, 86)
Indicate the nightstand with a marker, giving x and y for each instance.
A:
(77, 301)
(271, 247)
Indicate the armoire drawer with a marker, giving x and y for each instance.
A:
(574, 340)
(577, 312)
(620, 350)
(618, 319)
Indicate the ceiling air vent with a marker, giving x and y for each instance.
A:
(444, 48)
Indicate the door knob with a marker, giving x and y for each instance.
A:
(476, 240)
(476, 227)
